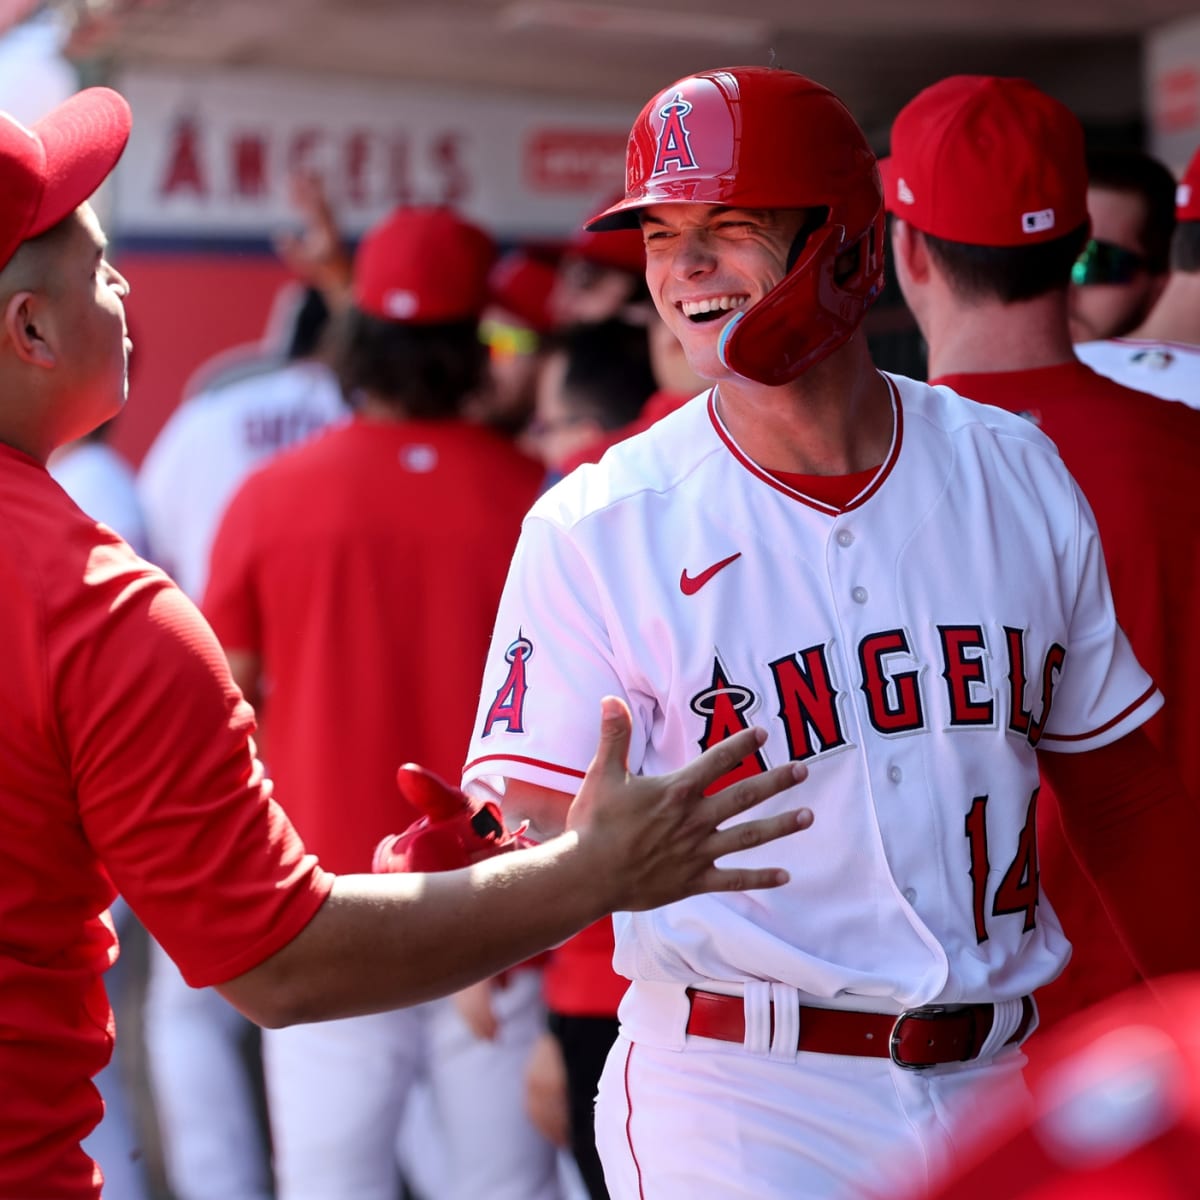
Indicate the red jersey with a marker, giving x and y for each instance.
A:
(125, 764)
(1137, 459)
(364, 569)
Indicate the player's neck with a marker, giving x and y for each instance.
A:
(834, 420)
(24, 413)
(370, 407)
(970, 337)
(1176, 316)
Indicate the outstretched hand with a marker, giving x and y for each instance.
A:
(656, 839)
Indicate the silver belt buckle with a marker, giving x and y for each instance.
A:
(926, 1012)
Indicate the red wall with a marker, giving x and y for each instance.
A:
(184, 308)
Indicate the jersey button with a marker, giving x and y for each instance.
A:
(895, 774)
(910, 894)
(845, 537)
(859, 595)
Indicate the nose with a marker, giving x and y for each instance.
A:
(117, 280)
(694, 255)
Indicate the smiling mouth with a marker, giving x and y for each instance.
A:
(701, 312)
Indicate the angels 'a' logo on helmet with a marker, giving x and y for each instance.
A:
(674, 141)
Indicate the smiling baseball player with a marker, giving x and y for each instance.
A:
(907, 590)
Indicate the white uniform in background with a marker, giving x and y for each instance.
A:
(211, 443)
(1167, 369)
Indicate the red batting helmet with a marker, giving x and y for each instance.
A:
(756, 137)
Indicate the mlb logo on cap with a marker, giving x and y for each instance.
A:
(1038, 222)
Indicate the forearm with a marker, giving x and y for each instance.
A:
(544, 808)
(633, 842)
(1134, 831)
(385, 941)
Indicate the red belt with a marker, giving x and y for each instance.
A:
(917, 1038)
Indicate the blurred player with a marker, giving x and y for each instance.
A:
(1162, 355)
(366, 559)
(1122, 268)
(990, 296)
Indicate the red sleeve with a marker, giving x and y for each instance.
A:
(230, 602)
(1135, 832)
(169, 791)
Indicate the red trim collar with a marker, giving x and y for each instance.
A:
(770, 480)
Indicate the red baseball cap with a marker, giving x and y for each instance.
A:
(423, 266)
(49, 169)
(1187, 194)
(987, 161)
(618, 249)
(520, 283)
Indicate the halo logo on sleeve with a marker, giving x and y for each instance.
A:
(509, 703)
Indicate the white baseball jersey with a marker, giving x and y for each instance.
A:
(1167, 369)
(912, 648)
(211, 443)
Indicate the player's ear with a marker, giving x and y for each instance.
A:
(909, 251)
(26, 328)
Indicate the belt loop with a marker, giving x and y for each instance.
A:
(785, 1003)
(1006, 1017)
(756, 1002)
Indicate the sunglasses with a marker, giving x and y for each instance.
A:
(508, 341)
(1102, 262)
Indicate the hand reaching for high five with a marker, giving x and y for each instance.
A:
(656, 839)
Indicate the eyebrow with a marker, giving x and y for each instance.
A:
(719, 210)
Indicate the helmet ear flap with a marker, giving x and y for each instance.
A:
(810, 313)
(764, 343)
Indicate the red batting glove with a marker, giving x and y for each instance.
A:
(456, 830)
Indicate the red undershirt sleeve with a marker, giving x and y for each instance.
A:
(1135, 832)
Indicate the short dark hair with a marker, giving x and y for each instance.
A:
(1185, 247)
(609, 376)
(1136, 173)
(425, 371)
(1008, 273)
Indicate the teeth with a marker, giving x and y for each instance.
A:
(693, 308)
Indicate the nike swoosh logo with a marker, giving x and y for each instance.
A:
(689, 585)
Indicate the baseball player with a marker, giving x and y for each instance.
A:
(513, 327)
(907, 589)
(1123, 266)
(127, 763)
(597, 278)
(989, 291)
(1162, 355)
(314, 610)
